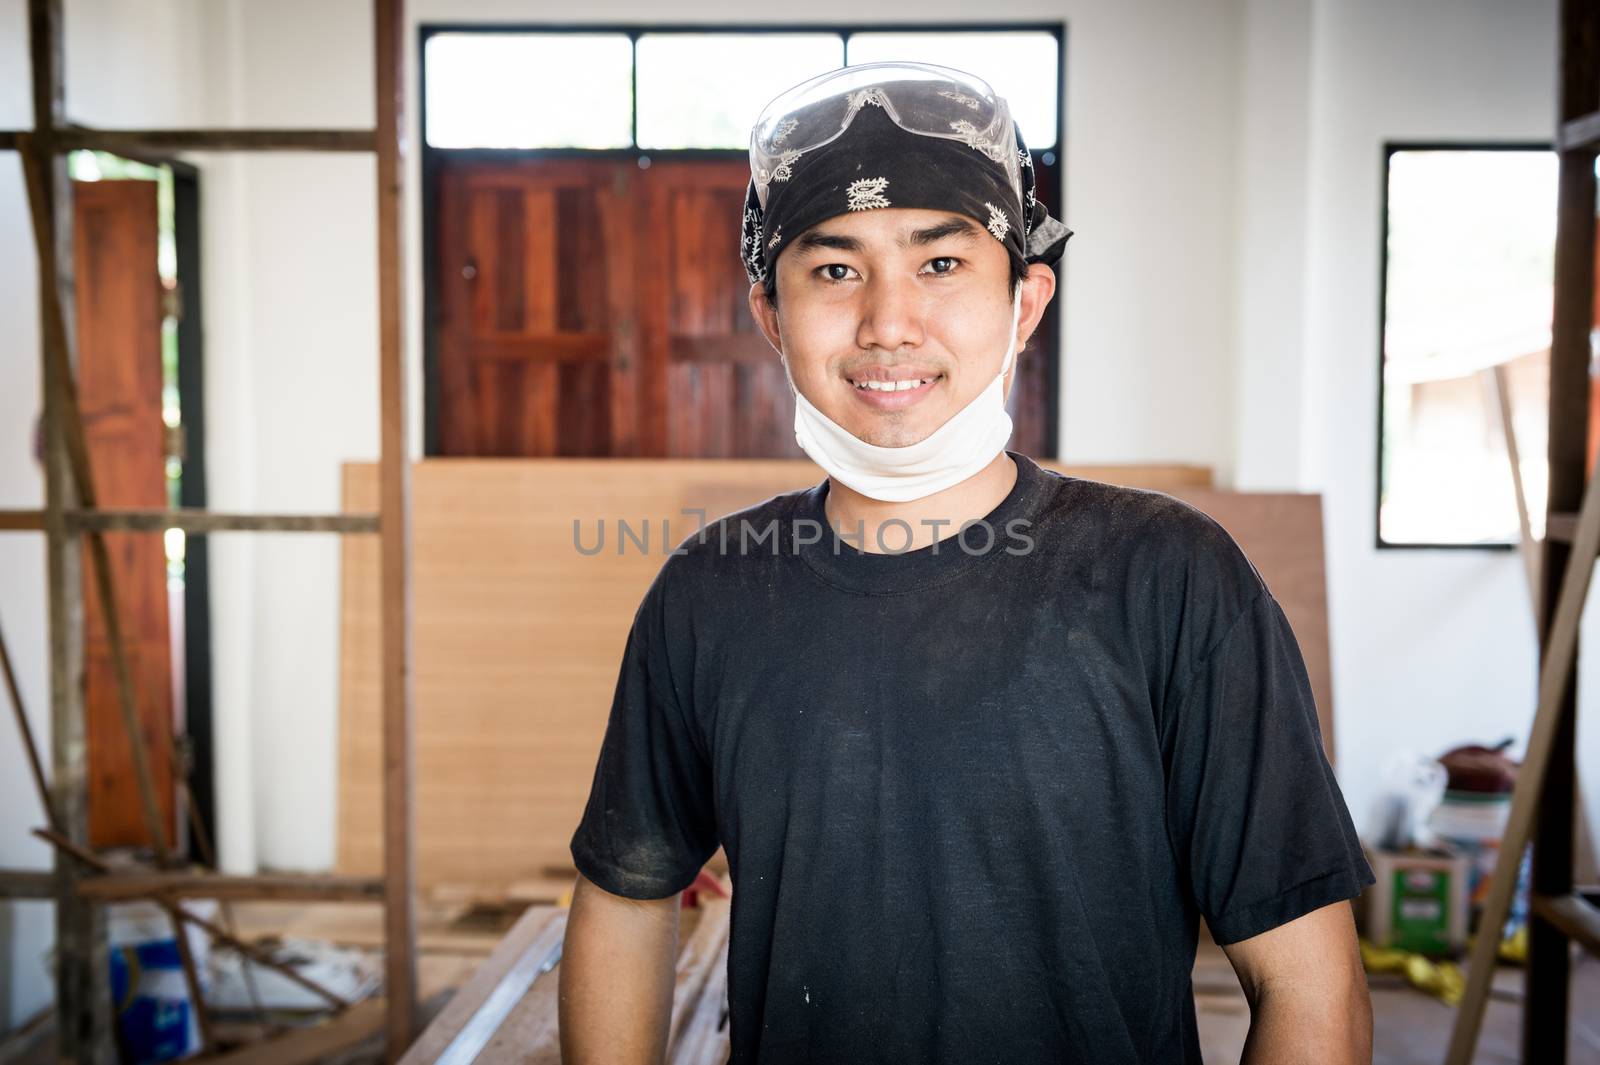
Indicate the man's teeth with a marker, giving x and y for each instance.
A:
(893, 386)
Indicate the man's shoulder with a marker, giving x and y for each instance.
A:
(1156, 535)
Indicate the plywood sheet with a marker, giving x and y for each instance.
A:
(519, 635)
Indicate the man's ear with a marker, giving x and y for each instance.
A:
(1037, 289)
(766, 316)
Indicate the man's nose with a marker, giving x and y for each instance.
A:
(891, 315)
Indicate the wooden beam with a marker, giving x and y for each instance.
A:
(399, 804)
(135, 141)
(1557, 660)
(25, 733)
(120, 887)
(192, 521)
(1580, 134)
(82, 995)
(199, 522)
(474, 1013)
(302, 1046)
(98, 865)
(1574, 915)
(27, 884)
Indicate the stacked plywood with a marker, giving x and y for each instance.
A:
(519, 636)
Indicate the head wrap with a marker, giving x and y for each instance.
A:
(875, 163)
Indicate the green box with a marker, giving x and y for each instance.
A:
(1419, 902)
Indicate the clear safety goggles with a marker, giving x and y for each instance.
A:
(921, 98)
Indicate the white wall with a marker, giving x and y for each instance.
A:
(1430, 648)
(1222, 168)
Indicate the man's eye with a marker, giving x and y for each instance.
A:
(949, 262)
(835, 272)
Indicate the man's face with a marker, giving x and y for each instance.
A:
(873, 298)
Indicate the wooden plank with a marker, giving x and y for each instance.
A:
(141, 141)
(83, 1015)
(705, 1033)
(399, 800)
(501, 781)
(26, 884)
(118, 373)
(1546, 1016)
(530, 941)
(117, 887)
(1281, 533)
(705, 950)
(1574, 915)
(1581, 134)
(303, 1046)
(1555, 687)
(198, 522)
(190, 520)
(25, 734)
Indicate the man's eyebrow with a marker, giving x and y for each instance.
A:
(821, 238)
(954, 226)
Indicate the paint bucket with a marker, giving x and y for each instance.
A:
(155, 1017)
(1474, 823)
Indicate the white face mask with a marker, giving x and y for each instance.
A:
(956, 450)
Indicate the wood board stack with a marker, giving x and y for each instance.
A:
(507, 1012)
(519, 635)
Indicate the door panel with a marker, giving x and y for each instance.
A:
(528, 341)
(119, 299)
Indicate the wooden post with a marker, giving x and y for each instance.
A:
(83, 999)
(1545, 1015)
(400, 971)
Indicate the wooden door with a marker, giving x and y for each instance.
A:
(717, 389)
(535, 326)
(596, 308)
(119, 298)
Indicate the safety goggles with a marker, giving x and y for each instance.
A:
(921, 98)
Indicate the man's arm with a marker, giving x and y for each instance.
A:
(618, 971)
(1307, 991)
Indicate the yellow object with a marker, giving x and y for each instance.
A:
(1515, 948)
(1443, 979)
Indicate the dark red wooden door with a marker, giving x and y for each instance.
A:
(119, 297)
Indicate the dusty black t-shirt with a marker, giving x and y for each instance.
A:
(974, 801)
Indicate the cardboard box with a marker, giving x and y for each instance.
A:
(1419, 902)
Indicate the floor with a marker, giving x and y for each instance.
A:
(1409, 1027)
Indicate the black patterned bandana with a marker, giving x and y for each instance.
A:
(875, 163)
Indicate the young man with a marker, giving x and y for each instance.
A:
(983, 742)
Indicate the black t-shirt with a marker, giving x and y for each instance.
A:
(973, 801)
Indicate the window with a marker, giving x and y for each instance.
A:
(1468, 261)
(529, 90)
(705, 90)
(662, 89)
(1020, 66)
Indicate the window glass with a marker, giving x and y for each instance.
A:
(1020, 66)
(1470, 257)
(705, 90)
(529, 90)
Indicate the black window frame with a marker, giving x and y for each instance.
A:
(1389, 148)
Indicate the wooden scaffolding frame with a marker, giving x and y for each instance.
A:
(1542, 805)
(70, 520)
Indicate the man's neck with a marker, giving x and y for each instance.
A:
(931, 518)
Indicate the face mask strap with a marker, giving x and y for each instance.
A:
(1011, 347)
